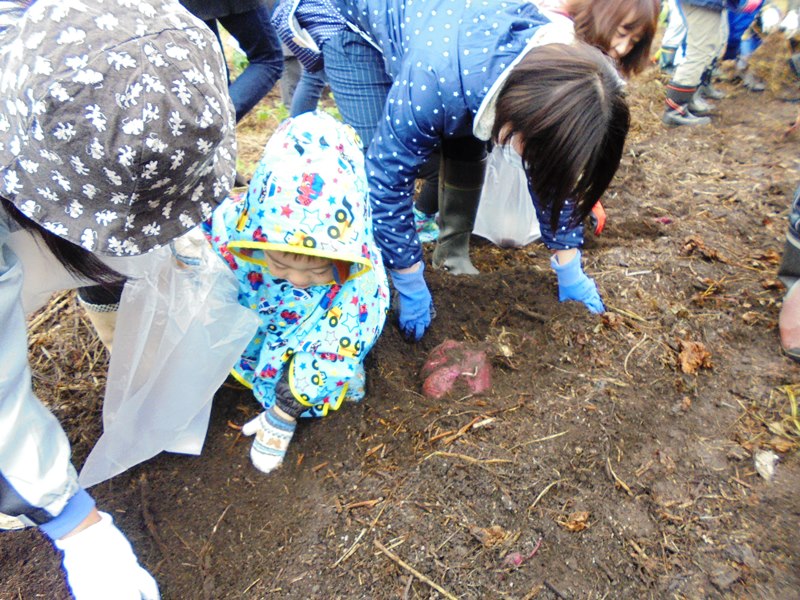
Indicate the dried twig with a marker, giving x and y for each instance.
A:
(350, 550)
(543, 492)
(529, 313)
(541, 439)
(413, 571)
(617, 480)
(555, 590)
(469, 459)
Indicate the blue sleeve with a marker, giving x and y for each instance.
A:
(565, 236)
(407, 135)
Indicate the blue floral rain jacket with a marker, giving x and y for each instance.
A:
(309, 195)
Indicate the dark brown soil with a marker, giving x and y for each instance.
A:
(624, 443)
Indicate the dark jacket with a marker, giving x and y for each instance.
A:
(216, 9)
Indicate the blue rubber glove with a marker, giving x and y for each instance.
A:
(415, 302)
(573, 284)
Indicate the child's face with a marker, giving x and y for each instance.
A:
(300, 270)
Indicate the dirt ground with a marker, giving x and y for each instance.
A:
(613, 457)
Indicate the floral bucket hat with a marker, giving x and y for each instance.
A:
(116, 128)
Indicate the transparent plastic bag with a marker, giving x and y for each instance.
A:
(179, 331)
(506, 216)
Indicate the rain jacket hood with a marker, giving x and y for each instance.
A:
(309, 195)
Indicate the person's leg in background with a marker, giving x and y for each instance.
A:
(707, 89)
(461, 174)
(673, 40)
(702, 45)
(259, 42)
(307, 93)
(292, 71)
(742, 42)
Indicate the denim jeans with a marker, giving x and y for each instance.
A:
(259, 42)
(307, 93)
(358, 80)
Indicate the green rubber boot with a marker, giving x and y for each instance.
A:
(460, 184)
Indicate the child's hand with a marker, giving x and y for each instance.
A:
(573, 284)
(415, 302)
(273, 430)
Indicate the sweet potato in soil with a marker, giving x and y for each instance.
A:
(624, 442)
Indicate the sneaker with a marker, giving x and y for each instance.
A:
(427, 229)
(681, 115)
(699, 106)
(709, 91)
(753, 82)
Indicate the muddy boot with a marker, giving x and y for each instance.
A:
(675, 116)
(699, 106)
(460, 184)
(707, 88)
(676, 111)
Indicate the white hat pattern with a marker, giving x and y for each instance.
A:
(116, 128)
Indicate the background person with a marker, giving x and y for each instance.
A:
(248, 21)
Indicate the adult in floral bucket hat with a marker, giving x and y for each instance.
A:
(116, 136)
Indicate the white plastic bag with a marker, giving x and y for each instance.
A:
(179, 331)
(506, 215)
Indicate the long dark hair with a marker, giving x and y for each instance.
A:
(78, 261)
(596, 22)
(567, 106)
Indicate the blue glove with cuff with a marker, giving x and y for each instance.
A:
(573, 284)
(416, 303)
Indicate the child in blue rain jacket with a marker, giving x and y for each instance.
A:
(300, 243)
(444, 69)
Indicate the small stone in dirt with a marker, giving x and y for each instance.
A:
(724, 577)
(508, 503)
(765, 461)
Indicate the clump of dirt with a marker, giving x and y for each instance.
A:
(612, 457)
(771, 62)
